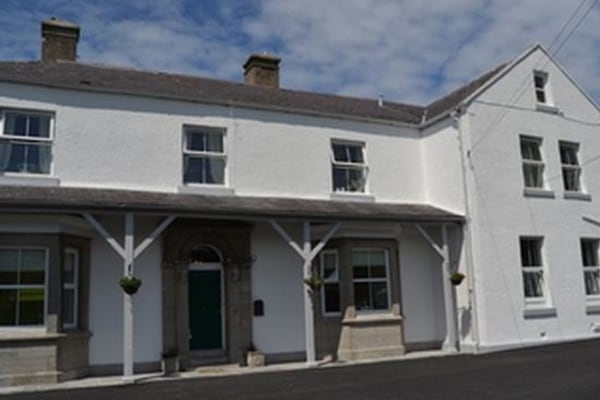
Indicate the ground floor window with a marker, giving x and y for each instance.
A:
(591, 266)
(370, 279)
(70, 287)
(23, 286)
(532, 267)
(330, 292)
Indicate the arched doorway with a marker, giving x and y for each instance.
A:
(206, 300)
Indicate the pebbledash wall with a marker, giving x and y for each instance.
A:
(501, 212)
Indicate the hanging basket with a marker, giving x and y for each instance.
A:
(314, 281)
(457, 278)
(130, 284)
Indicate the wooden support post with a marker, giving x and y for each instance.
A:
(128, 269)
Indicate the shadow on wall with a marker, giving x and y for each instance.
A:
(465, 322)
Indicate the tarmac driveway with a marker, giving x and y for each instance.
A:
(568, 371)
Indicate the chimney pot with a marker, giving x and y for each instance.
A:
(59, 40)
(262, 70)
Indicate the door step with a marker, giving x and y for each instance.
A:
(195, 362)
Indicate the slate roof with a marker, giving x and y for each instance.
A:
(61, 199)
(100, 78)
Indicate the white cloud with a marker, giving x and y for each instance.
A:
(407, 50)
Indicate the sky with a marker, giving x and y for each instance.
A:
(404, 50)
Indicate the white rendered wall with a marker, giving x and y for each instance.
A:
(501, 212)
(422, 291)
(277, 281)
(116, 141)
(106, 297)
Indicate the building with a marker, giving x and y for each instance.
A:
(223, 198)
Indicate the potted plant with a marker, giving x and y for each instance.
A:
(254, 357)
(457, 278)
(314, 281)
(130, 284)
(170, 362)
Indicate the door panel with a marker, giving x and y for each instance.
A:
(205, 311)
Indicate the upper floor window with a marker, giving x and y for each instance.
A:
(25, 142)
(532, 268)
(533, 166)
(70, 287)
(571, 171)
(204, 156)
(349, 169)
(591, 267)
(540, 81)
(330, 291)
(370, 280)
(23, 286)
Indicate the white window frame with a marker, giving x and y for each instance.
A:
(38, 286)
(363, 167)
(533, 163)
(330, 281)
(373, 280)
(536, 269)
(49, 141)
(204, 154)
(544, 89)
(570, 167)
(73, 286)
(590, 268)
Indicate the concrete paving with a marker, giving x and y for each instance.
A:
(550, 372)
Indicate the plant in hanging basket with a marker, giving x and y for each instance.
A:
(130, 284)
(457, 278)
(314, 281)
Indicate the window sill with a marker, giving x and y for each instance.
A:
(539, 312)
(214, 190)
(577, 196)
(592, 308)
(19, 334)
(538, 192)
(547, 108)
(373, 317)
(29, 180)
(352, 196)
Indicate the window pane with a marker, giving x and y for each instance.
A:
(592, 282)
(571, 179)
(533, 283)
(332, 297)
(356, 180)
(196, 141)
(356, 154)
(39, 126)
(193, 170)
(69, 268)
(533, 175)
(214, 142)
(362, 300)
(378, 271)
(540, 95)
(15, 124)
(531, 253)
(37, 158)
(9, 260)
(68, 299)
(530, 150)
(339, 153)
(539, 81)
(340, 179)
(589, 252)
(330, 273)
(31, 306)
(377, 258)
(16, 160)
(568, 155)
(215, 170)
(380, 295)
(33, 267)
(329, 260)
(8, 307)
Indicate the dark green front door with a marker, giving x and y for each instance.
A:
(205, 310)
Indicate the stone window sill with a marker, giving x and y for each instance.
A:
(206, 190)
(538, 192)
(29, 180)
(578, 196)
(351, 196)
(547, 108)
(592, 308)
(539, 312)
(372, 318)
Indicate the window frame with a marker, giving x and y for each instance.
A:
(570, 167)
(544, 89)
(326, 281)
(38, 286)
(363, 167)
(29, 140)
(74, 286)
(590, 268)
(371, 280)
(188, 129)
(530, 162)
(541, 269)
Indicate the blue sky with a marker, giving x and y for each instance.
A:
(405, 50)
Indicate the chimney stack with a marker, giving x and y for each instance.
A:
(59, 40)
(262, 70)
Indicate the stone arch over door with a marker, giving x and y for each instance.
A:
(232, 241)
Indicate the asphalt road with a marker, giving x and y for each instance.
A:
(569, 371)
